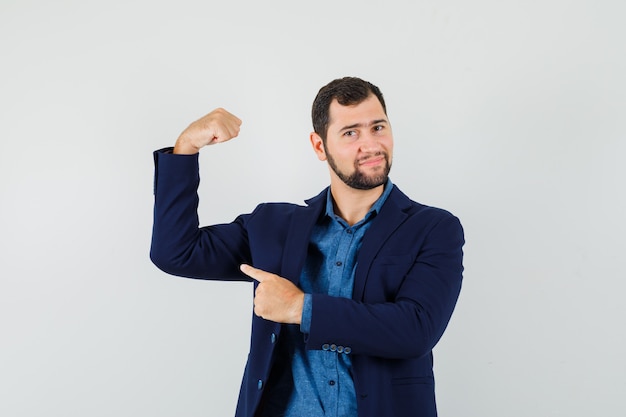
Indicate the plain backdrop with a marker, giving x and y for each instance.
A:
(510, 114)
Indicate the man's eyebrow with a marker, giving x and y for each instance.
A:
(372, 123)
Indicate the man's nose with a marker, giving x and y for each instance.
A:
(370, 143)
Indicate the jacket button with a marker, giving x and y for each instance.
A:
(259, 384)
(347, 350)
(325, 346)
(333, 347)
(339, 349)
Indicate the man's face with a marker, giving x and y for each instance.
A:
(359, 144)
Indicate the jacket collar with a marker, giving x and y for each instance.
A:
(392, 214)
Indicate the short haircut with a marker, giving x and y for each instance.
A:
(347, 91)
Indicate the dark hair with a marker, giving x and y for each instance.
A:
(348, 91)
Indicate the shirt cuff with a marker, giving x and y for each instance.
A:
(307, 308)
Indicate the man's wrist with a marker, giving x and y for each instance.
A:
(183, 147)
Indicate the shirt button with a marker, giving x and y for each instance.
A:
(331, 382)
(349, 231)
(338, 263)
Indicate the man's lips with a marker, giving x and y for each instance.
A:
(374, 160)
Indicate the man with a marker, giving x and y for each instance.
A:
(352, 291)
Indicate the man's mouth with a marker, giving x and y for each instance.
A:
(372, 160)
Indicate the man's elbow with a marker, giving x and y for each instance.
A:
(162, 260)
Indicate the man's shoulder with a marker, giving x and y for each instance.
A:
(272, 217)
(415, 208)
(312, 202)
(277, 208)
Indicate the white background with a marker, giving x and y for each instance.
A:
(510, 114)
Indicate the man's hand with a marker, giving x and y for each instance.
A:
(217, 126)
(276, 298)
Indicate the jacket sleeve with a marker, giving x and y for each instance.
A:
(410, 322)
(179, 246)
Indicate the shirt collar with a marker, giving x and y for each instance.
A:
(330, 210)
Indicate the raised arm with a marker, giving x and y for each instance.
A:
(179, 245)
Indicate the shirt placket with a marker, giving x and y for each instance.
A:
(336, 288)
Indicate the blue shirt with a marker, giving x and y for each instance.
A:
(319, 382)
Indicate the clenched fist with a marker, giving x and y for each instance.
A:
(217, 126)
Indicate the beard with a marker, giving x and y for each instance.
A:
(358, 179)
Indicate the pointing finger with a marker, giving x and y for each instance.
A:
(254, 273)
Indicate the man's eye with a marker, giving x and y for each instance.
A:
(350, 133)
(378, 128)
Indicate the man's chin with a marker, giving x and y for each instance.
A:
(366, 183)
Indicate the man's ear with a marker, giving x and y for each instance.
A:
(318, 146)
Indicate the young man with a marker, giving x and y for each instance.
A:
(352, 291)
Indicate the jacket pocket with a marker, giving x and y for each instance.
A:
(414, 396)
(413, 380)
(385, 276)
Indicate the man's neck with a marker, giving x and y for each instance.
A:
(351, 204)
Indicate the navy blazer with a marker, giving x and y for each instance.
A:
(407, 281)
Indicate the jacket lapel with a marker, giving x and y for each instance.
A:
(297, 242)
(392, 214)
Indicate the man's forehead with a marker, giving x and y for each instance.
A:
(370, 108)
